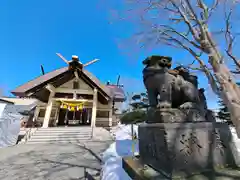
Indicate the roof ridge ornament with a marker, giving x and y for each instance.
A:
(75, 64)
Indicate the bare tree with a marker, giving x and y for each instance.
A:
(190, 25)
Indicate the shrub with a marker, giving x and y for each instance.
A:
(133, 117)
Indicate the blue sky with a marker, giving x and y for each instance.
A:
(33, 31)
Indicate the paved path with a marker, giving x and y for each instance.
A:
(51, 161)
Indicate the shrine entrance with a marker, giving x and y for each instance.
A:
(74, 118)
(74, 115)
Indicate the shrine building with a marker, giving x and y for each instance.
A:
(72, 96)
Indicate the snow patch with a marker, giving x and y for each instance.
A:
(235, 144)
(9, 125)
(122, 147)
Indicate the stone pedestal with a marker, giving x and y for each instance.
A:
(176, 148)
(172, 115)
(137, 170)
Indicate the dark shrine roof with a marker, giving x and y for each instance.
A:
(117, 92)
(60, 76)
(21, 90)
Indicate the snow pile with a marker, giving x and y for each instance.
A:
(112, 157)
(235, 145)
(9, 125)
(123, 131)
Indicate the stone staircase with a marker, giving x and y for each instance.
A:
(60, 135)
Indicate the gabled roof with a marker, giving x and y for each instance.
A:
(21, 90)
(117, 92)
(64, 74)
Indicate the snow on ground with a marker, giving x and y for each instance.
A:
(122, 147)
(235, 145)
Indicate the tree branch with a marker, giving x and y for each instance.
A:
(201, 24)
(186, 20)
(182, 35)
(213, 7)
(204, 68)
(230, 38)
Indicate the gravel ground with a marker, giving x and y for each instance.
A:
(51, 161)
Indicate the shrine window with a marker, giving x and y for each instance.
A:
(63, 95)
(53, 113)
(102, 114)
(41, 113)
(75, 85)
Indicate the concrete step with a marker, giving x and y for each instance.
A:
(60, 133)
(65, 129)
(62, 130)
(58, 141)
(58, 137)
(54, 137)
(50, 132)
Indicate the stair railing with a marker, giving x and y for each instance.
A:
(29, 133)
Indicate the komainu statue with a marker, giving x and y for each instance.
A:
(180, 138)
(169, 88)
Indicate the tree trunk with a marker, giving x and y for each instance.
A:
(230, 92)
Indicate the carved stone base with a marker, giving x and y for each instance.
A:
(167, 115)
(137, 170)
(171, 115)
(185, 147)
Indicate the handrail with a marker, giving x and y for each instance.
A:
(28, 134)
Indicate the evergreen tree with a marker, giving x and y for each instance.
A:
(223, 112)
(139, 104)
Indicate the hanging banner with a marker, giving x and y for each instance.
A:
(72, 106)
(80, 107)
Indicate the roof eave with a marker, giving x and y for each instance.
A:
(20, 94)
